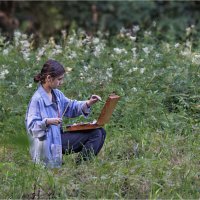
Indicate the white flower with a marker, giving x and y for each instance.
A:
(142, 70)
(188, 44)
(57, 50)
(188, 30)
(25, 44)
(109, 72)
(132, 70)
(133, 38)
(26, 55)
(96, 40)
(71, 40)
(64, 34)
(136, 28)
(24, 36)
(3, 73)
(176, 45)
(158, 55)
(85, 68)
(146, 50)
(134, 89)
(186, 52)
(98, 49)
(73, 55)
(122, 30)
(135, 69)
(5, 52)
(134, 52)
(119, 51)
(30, 85)
(68, 69)
(41, 52)
(147, 33)
(17, 34)
(196, 59)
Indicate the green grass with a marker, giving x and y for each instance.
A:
(152, 145)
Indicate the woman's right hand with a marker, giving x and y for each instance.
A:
(53, 121)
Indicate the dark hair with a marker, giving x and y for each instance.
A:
(52, 68)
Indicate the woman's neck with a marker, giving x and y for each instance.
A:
(47, 88)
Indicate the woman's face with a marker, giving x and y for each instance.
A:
(56, 82)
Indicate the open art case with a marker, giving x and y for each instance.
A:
(104, 116)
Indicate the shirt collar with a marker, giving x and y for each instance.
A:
(44, 95)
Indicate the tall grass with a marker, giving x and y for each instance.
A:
(152, 145)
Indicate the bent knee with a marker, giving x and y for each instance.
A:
(102, 132)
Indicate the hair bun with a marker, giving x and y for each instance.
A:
(37, 78)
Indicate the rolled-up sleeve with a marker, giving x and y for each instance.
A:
(36, 126)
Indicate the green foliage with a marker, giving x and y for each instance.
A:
(152, 145)
(109, 16)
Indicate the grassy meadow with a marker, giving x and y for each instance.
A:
(153, 141)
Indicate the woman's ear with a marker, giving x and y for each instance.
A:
(48, 78)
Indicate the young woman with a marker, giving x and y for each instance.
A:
(44, 120)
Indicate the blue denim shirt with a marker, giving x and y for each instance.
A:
(46, 146)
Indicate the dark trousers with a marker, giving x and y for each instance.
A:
(87, 142)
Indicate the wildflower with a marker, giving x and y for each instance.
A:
(95, 40)
(3, 73)
(85, 68)
(134, 69)
(109, 72)
(133, 38)
(147, 33)
(136, 28)
(41, 52)
(158, 55)
(73, 55)
(25, 44)
(5, 52)
(176, 45)
(142, 70)
(71, 40)
(26, 55)
(196, 59)
(146, 50)
(30, 85)
(52, 41)
(64, 34)
(134, 89)
(119, 51)
(186, 52)
(188, 44)
(122, 30)
(81, 76)
(17, 36)
(134, 52)
(89, 80)
(68, 69)
(98, 48)
(57, 50)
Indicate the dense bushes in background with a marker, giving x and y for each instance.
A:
(48, 18)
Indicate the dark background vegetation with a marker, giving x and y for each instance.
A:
(48, 18)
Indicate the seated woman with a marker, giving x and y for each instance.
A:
(44, 120)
